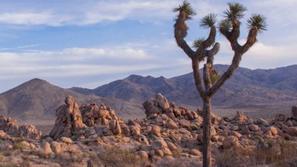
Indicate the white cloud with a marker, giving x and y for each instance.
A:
(261, 55)
(122, 53)
(33, 18)
(74, 62)
(73, 70)
(153, 10)
(269, 56)
(100, 11)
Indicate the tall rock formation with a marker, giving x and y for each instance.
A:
(69, 120)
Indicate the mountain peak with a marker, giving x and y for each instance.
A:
(37, 80)
(134, 76)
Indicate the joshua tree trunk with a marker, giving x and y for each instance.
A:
(206, 150)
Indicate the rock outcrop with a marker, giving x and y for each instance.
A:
(168, 129)
(10, 126)
(85, 121)
(69, 120)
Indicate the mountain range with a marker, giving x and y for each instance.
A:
(246, 87)
(258, 89)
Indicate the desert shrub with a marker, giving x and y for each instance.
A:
(117, 157)
(20, 146)
(2, 157)
(275, 153)
(233, 157)
(179, 162)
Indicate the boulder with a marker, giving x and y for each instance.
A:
(271, 132)
(172, 146)
(167, 151)
(66, 140)
(159, 143)
(262, 122)
(185, 123)
(46, 149)
(162, 101)
(69, 120)
(115, 127)
(292, 131)
(171, 124)
(240, 118)
(135, 130)
(159, 152)
(3, 135)
(143, 155)
(156, 130)
(57, 147)
(195, 152)
(254, 128)
(29, 131)
(151, 109)
(156, 105)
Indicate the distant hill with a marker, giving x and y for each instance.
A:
(39, 99)
(247, 87)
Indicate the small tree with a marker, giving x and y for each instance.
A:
(204, 51)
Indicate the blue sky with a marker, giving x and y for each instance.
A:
(91, 42)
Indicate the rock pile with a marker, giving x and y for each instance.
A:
(169, 132)
(69, 120)
(10, 126)
(85, 121)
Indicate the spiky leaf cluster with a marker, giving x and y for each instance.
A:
(208, 20)
(186, 8)
(235, 11)
(257, 21)
(225, 25)
(214, 76)
(198, 43)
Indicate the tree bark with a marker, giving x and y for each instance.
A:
(206, 132)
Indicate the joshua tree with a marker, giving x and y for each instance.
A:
(204, 50)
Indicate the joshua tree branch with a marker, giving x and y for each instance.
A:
(226, 33)
(251, 40)
(233, 34)
(206, 76)
(180, 32)
(185, 47)
(197, 77)
(211, 38)
(213, 51)
(235, 64)
(235, 30)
